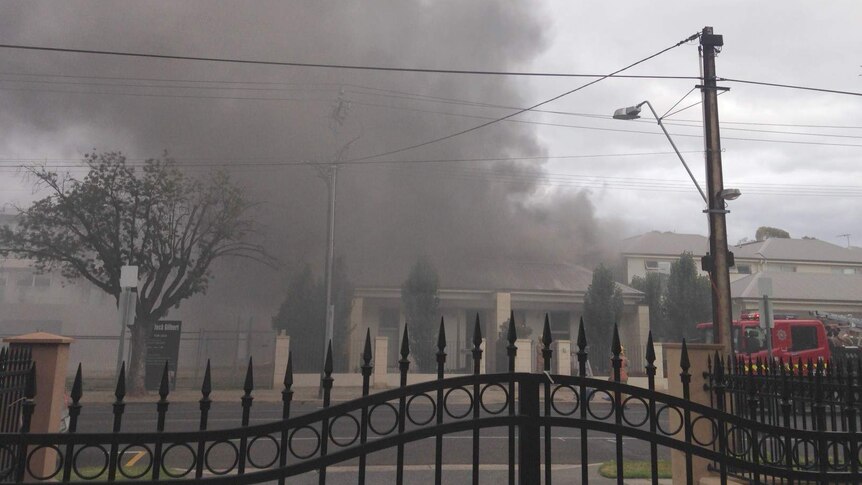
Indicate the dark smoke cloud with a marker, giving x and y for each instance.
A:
(388, 214)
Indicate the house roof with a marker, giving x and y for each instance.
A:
(801, 286)
(496, 275)
(798, 250)
(658, 243)
(666, 244)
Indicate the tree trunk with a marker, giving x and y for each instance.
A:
(138, 359)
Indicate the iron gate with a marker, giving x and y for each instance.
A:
(529, 406)
(16, 376)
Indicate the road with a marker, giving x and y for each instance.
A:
(457, 448)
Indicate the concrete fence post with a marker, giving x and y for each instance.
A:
(561, 360)
(525, 356)
(697, 354)
(50, 353)
(282, 350)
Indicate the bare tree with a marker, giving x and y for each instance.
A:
(173, 227)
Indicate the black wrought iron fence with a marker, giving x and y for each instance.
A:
(814, 397)
(17, 376)
(529, 407)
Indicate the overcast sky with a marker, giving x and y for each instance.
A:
(794, 154)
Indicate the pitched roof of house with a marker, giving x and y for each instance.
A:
(797, 250)
(672, 244)
(666, 244)
(495, 274)
(801, 286)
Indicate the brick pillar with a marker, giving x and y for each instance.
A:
(282, 350)
(381, 349)
(50, 353)
(697, 355)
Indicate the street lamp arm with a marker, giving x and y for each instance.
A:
(675, 149)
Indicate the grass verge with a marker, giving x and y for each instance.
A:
(634, 469)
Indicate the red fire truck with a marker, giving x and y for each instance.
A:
(791, 338)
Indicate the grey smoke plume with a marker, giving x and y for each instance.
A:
(388, 214)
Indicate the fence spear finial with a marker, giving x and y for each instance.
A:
(366, 351)
(616, 346)
(207, 385)
(512, 334)
(248, 385)
(405, 344)
(288, 372)
(77, 387)
(327, 364)
(120, 390)
(650, 349)
(546, 333)
(477, 333)
(441, 337)
(582, 337)
(684, 363)
(164, 387)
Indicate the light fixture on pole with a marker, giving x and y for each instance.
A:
(633, 113)
(722, 195)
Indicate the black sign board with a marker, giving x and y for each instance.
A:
(163, 345)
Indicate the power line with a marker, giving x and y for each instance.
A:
(557, 178)
(379, 92)
(681, 123)
(279, 161)
(788, 86)
(323, 65)
(503, 118)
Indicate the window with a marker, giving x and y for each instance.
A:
(848, 271)
(785, 268)
(559, 325)
(754, 339)
(658, 266)
(803, 338)
(743, 268)
(41, 281)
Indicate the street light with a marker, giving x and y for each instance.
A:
(633, 113)
(721, 195)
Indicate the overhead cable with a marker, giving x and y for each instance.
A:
(234, 60)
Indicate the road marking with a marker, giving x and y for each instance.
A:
(135, 458)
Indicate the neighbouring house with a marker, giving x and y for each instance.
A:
(800, 293)
(653, 252)
(807, 274)
(31, 301)
(797, 256)
(492, 289)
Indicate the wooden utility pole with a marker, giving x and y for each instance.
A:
(719, 260)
